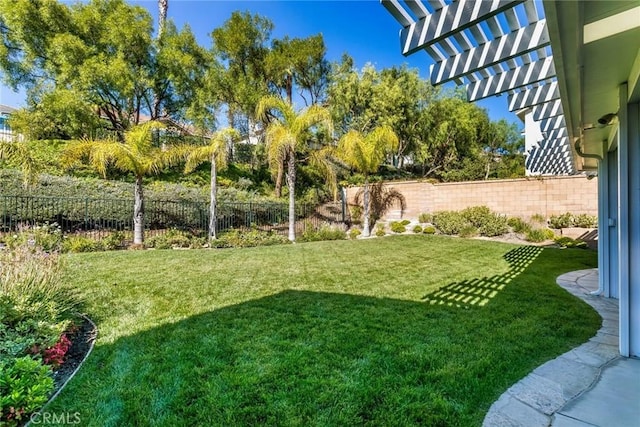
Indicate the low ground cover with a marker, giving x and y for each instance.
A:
(406, 330)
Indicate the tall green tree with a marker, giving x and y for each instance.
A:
(137, 154)
(214, 152)
(103, 54)
(396, 97)
(503, 139)
(452, 130)
(287, 134)
(365, 153)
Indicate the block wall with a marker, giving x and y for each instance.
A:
(514, 197)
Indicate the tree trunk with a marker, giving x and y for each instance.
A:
(366, 232)
(163, 6)
(488, 171)
(213, 204)
(291, 182)
(138, 213)
(279, 175)
(290, 88)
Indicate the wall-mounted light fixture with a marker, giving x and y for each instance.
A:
(607, 119)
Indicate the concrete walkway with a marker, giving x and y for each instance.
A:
(590, 385)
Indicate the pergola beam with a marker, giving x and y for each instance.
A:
(535, 96)
(512, 79)
(514, 44)
(447, 21)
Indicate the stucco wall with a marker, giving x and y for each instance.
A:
(513, 197)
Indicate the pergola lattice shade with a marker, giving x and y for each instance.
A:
(493, 47)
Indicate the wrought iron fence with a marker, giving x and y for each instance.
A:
(99, 217)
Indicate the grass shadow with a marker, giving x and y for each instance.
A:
(479, 291)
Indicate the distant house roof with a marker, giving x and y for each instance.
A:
(5, 109)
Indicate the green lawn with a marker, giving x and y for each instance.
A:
(405, 330)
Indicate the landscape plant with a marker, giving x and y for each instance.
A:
(365, 153)
(137, 154)
(215, 152)
(287, 134)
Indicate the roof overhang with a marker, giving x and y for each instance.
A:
(596, 47)
(563, 64)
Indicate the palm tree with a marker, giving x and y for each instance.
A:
(137, 154)
(216, 153)
(287, 134)
(21, 153)
(163, 6)
(365, 153)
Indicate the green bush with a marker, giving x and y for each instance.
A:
(476, 215)
(354, 233)
(518, 225)
(417, 229)
(113, 241)
(425, 218)
(35, 306)
(538, 218)
(397, 227)
(568, 242)
(25, 385)
(538, 235)
(172, 238)
(405, 222)
(430, 229)
(380, 232)
(77, 244)
(469, 231)
(561, 221)
(324, 232)
(494, 225)
(48, 237)
(245, 239)
(449, 222)
(356, 214)
(585, 221)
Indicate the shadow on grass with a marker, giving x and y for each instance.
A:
(316, 358)
(481, 290)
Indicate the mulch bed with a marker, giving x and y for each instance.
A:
(81, 341)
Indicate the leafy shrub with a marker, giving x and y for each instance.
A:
(35, 306)
(538, 235)
(25, 385)
(113, 241)
(172, 238)
(55, 354)
(405, 222)
(568, 242)
(468, 231)
(325, 232)
(561, 221)
(449, 222)
(538, 218)
(585, 221)
(430, 229)
(494, 225)
(398, 227)
(47, 237)
(354, 233)
(356, 214)
(76, 244)
(245, 239)
(425, 218)
(476, 215)
(417, 229)
(518, 225)
(380, 232)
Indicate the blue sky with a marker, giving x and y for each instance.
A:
(363, 29)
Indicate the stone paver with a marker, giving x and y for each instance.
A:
(540, 398)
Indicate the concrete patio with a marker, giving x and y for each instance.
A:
(591, 385)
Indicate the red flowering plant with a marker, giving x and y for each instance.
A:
(54, 355)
